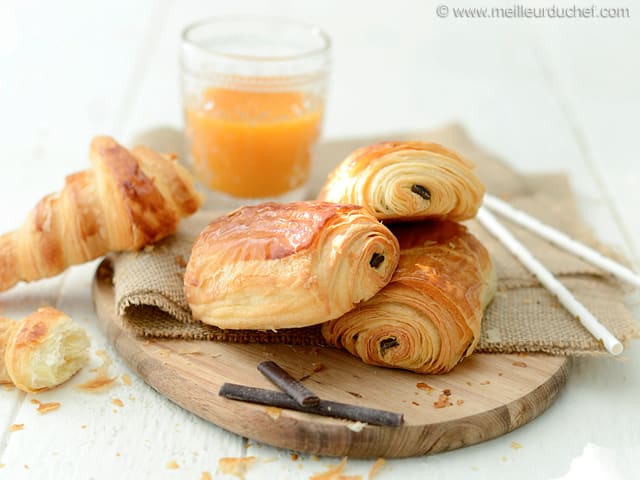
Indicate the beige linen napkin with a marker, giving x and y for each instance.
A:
(523, 317)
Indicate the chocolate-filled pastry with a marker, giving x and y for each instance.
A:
(126, 200)
(273, 266)
(407, 181)
(427, 319)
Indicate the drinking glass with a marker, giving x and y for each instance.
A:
(254, 94)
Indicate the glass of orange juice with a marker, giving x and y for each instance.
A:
(254, 97)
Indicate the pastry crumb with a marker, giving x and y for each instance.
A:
(205, 476)
(424, 386)
(447, 392)
(148, 248)
(486, 382)
(236, 466)
(415, 403)
(180, 261)
(189, 350)
(44, 408)
(35, 401)
(16, 427)
(459, 402)
(377, 465)
(126, 379)
(172, 464)
(519, 364)
(516, 445)
(356, 426)
(334, 472)
(83, 426)
(273, 412)
(117, 402)
(294, 457)
(442, 401)
(101, 381)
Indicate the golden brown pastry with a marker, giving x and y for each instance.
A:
(427, 319)
(127, 199)
(6, 324)
(44, 350)
(407, 181)
(273, 265)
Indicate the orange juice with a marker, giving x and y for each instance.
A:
(253, 144)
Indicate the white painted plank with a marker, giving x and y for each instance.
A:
(597, 87)
(91, 436)
(131, 438)
(488, 76)
(54, 91)
(389, 75)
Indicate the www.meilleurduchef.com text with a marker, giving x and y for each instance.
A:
(528, 11)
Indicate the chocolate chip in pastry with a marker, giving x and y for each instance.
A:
(407, 181)
(44, 350)
(274, 266)
(427, 319)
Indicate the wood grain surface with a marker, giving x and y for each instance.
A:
(488, 395)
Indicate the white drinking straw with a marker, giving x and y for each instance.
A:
(561, 240)
(551, 283)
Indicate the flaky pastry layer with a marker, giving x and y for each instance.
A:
(276, 266)
(126, 200)
(407, 181)
(44, 350)
(428, 318)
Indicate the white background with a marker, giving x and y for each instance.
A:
(554, 94)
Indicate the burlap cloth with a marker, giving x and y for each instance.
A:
(523, 317)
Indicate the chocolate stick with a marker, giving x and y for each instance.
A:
(280, 378)
(324, 407)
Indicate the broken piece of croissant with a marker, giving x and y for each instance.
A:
(44, 350)
(6, 325)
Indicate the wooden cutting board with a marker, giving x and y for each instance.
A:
(490, 394)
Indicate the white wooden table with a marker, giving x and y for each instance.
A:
(556, 94)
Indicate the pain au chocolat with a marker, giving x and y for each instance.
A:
(407, 181)
(427, 319)
(275, 266)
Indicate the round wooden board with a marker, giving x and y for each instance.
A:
(491, 394)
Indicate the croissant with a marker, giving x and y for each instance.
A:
(126, 200)
(44, 350)
(427, 319)
(406, 181)
(6, 325)
(273, 265)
